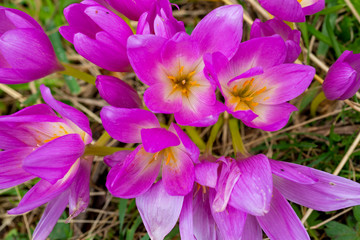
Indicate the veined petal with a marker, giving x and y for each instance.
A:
(44, 191)
(80, 188)
(285, 10)
(230, 222)
(135, 176)
(144, 55)
(206, 174)
(328, 193)
(52, 213)
(157, 139)
(220, 30)
(268, 121)
(252, 230)
(186, 224)
(159, 210)
(252, 192)
(125, 124)
(117, 92)
(53, 160)
(229, 175)
(177, 172)
(38, 109)
(284, 82)
(11, 171)
(189, 146)
(66, 111)
(116, 158)
(292, 173)
(281, 222)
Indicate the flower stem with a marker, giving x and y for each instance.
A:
(103, 151)
(238, 144)
(103, 139)
(71, 71)
(194, 135)
(214, 131)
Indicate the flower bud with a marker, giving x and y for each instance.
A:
(26, 53)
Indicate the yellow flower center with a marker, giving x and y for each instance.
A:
(183, 81)
(243, 96)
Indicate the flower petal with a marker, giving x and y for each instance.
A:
(268, 121)
(229, 175)
(157, 139)
(53, 160)
(329, 193)
(135, 176)
(252, 229)
(11, 171)
(116, 158)
(80, 188)
(159, 210)
(220, 30)
(281, 222)
(66, 111)
(51, 215)
(290, 11)
(125, 124)
(177, 172)
(186, 218)
(144, 55)
(117, 93)
(292, 173)
(252, 192)
(206, 174)
(43, 191)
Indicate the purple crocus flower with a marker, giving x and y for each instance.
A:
(259, 187)
(256, 83)
(343, 79)
(174, 68)
(117, 92)
(292, 10)
(98, 34)
(159, 21)
(131, 9)
(38, 143)
(26, 53)
(133, 173)
(276, 26)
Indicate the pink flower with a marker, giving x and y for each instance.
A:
(26, 53)
(132, 9)
(256, 83)
(292, 10)
(38, 143)
(276, 26)
(174, 68)
(343, 78)
(134, 173)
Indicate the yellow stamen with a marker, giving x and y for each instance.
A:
(254, 104)
(248, 99)
(260, 91)
(246, 83)
(191, 74)
(183, 82)
(181, 70)
(267, 98)
(172, 78)
(194, 83)
(235, 88)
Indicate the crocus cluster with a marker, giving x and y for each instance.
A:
(37, 143)
(196, 77)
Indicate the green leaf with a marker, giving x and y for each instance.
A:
(339, 231)
(61, 230)
(356, 211)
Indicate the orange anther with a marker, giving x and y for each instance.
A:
(172, 78)
(260, 91)
(191, 74)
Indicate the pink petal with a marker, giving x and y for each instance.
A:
(206, 174)
(116, 158)
(66, 111)
(229, 175)
(157, 139)
(125, 124)
(252, 229)
(44, 191)
(80, 188)
(52, 213)
(186, 218)
(288, 10)
(328, 193)
(292, 172)
(117, 93)
(53, 160)
(159, 210)
(177, 172)
(281, 222)
(252, 192)
(220, 30)
(11, 171)
(135, 176)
